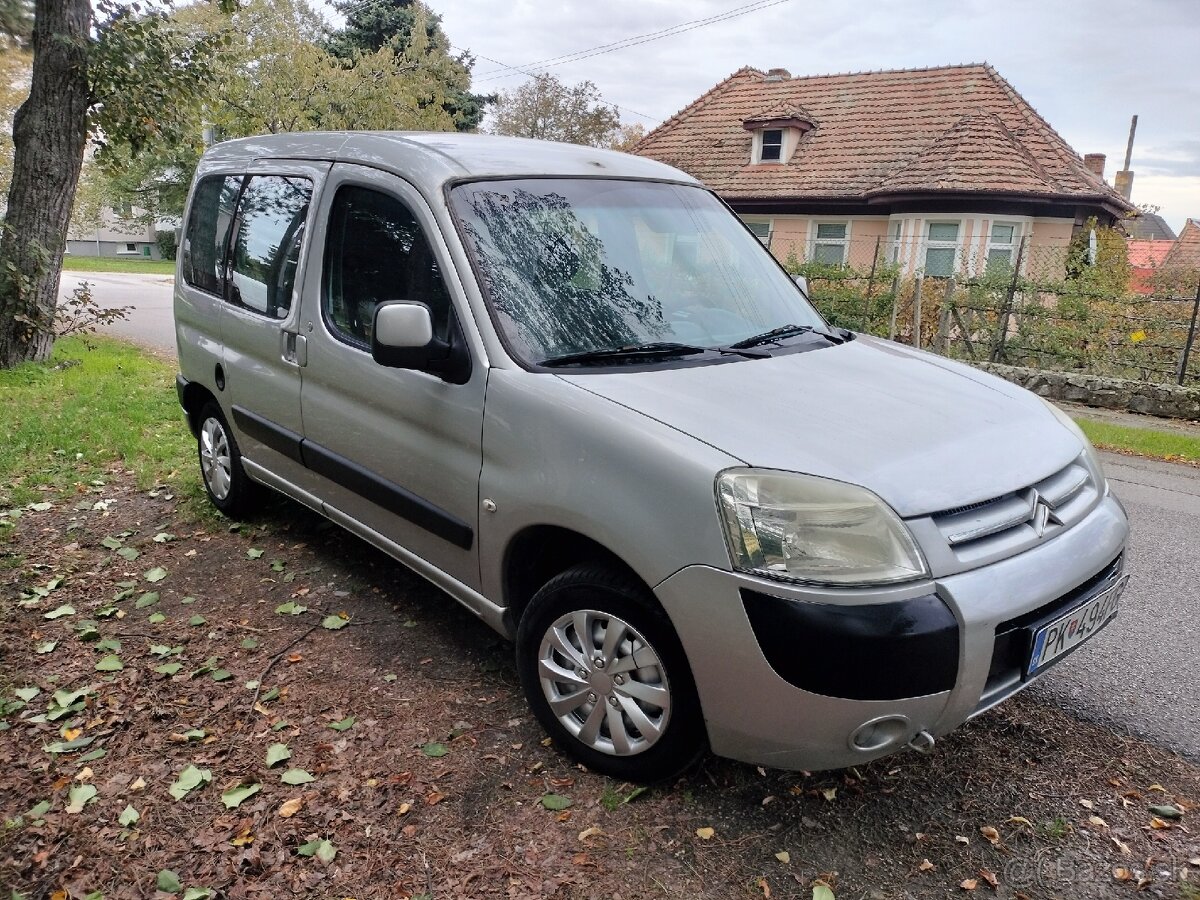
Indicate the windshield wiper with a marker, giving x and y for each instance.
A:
(784, 331)
(652, 349)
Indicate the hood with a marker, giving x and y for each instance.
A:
(924, 433)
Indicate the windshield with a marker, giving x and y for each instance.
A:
(571, 266)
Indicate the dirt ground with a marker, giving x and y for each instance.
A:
(436, 781)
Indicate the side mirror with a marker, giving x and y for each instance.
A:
(402, 338)
(802, 283)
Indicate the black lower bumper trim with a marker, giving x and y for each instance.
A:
(875, 651)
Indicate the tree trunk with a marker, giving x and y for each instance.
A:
(49, 134)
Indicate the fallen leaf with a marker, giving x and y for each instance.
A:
(196, 621)
(1122, 846)
(1020, 820)
(990, 877)
(969, 884)
(784, 857)
(434, 750)
(1158, 824)
(110, 663)
(254, 553)
(276, 754)
(925, 865)
(343, 724)
(168, 881)
(705, 834)
(129, 816)
(80, 796)
(1167, 812)
(403, 809)
(1157, 787)
(822, 891)
(1097, 821)
(556, 802)
(189, 779)
(433, 798)
(590, 833)
(290, 609)
(155, 575)
(236, 796)
(1122, 874)
(1087, 804)
(829, 793)
(295, 777)
(85, 774)
(243, 838)
(991, 834)
(321, 849)
(962, 839)
(65, 610)
(198, 893)
(333, 623)
(764, 887)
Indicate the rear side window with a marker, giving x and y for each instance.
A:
(266, 247)
(376, 251)
(203, 251)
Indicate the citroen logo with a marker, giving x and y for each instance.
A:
(1042, 516)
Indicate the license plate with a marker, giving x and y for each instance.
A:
(1068, 632)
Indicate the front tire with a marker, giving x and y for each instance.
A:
(225, 481)
(606, 676)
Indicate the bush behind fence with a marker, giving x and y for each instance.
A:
(1053, 308)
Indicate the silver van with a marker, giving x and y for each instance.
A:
(570, 388)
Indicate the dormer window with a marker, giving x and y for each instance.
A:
(772, 145)
(777, 132)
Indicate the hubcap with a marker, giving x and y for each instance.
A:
(214, 458)
(604, 682)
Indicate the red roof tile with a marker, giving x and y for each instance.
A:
(956, 128)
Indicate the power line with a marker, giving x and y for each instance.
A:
(534, 75)
(633, 41)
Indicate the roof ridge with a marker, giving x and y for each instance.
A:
(696, 104)
(954, 137)
(897, 71)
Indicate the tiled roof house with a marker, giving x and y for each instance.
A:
(944, 169)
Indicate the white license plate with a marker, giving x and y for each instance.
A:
(1065, 633)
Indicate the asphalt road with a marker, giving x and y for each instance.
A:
(150, 322)
(1141, 674)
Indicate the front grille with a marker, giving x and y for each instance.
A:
(979, 532)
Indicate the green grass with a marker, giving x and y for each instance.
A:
(137, 264)
(62, 427)
(1142, 441)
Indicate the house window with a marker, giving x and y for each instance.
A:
(762, 231)
(830, 244)
(941, 249)
(1001, 247)
(894, 242)
(128, 248)
(771, 149)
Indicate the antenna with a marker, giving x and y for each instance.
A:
(1129, 146)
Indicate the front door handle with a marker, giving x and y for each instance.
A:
(295, 349)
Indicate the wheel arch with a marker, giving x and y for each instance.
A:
(193, 397)
(537, 553)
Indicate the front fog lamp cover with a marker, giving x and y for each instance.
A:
(803, 528)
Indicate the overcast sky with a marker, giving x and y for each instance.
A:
(1086, 66)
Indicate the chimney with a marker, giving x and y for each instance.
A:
(1094, 163)
(1123, 182)
(778, 75)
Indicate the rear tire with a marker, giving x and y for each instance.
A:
(605, 674)
(225, 481)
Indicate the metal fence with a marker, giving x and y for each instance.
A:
(1044, 308)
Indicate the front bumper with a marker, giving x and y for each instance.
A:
(755, 715)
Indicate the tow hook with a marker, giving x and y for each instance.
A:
(922, 742)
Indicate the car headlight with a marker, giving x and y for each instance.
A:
(803, 528)
(1090, 458)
